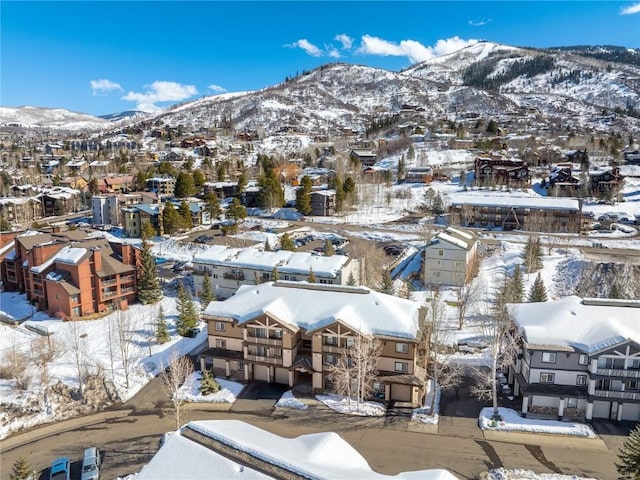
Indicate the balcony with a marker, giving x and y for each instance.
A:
(617, 372)
(274, 342)
(333, 349)
(633, 395)
(109, 293)
(233, 275)
(260, 359)
(111, 281)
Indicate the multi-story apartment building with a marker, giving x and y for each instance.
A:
(68, 273)
(293, 332)
(535, 214)
(107, 208)
(449, 257)
(578, 358)
(134, 216)
(163, 185)
(230, 268)
(323, 203)
(501, 171)
(60, 201)
(20, 210)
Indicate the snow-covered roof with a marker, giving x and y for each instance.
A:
(17, 200)
(315, 456)
(313, 306)
(284, 260)
(517, 202)
(587, 325)
(70, 255)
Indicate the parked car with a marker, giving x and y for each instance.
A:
(203, 239)
(60, 469)
(90, 464)
(193, 332)
(179, 267)
(394, 250)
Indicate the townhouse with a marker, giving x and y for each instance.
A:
(293, 332)
(509, 212)
(449, 258)
(70, 274)
(501, 171)
(20, 210)
(230, 268)
(578, 358)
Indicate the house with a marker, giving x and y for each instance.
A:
(561, 178)
(70, 274)
(163, 185)
(576, 156)
(323, 203)
(230, 268)
(77, 165)
(292, 332)
(419, 175)
(451, 257)
(632, 157)
(119, 183)
(134, 216)
(60, 201)
(221, 189)
(75, 183)
(501, 171)
(578, 358)
(535, 214)
(366, 157)
(605, 180)
(20, 210)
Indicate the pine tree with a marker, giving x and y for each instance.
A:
(147, 231)
(517, 286)
(286, 243)
(162, 331)
(185, 185)
(267, 246)
(437, 207)
(148, 287)
(275, 276)
(615, 291)
(171, 220)
(339, 188)
(312, 276)
(21, 470)
(628, 464)
(185, 215)
(538, 292)
(303, 196)
(187, 314)
(401, 169)
(351, 281)
(208, 384)
(349, 188)
(206, 294)
(328, 248)
(5, 225)
(236, 211)
(212, 206)
(386, 283)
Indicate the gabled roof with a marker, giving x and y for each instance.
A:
(312, 306)
(588, 325)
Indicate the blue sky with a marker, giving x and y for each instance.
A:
(104, 57)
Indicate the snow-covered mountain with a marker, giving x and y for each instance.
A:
(126, 115)
(582, 84)
(56, 118)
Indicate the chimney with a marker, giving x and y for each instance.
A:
(126, 254)
(97, 258)
(56, 229)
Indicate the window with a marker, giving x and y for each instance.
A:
(330, 340)
(221, 343)
(350, 342)
(548, 357)
(572, 403)
(76, 311)
(75, 298)
(630, 385)
(329, 359)
(402, 348)
(603, 384)
(402, 367)
(440, 253)
(634, 364)
(262, 333)
(547, 377)
(220, 326)
(583, 360)
(277, 334)
(215, 275)
(240, 365)
(277, 352)
(581, 380)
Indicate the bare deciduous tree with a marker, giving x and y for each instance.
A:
(467, 298)
(44, 351)
(173, 376)
(372, 261)
(14, 365)
(502, 343)
(355, 371)
(125, 330)
(79, 351)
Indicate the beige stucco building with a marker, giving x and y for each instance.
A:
(449, 257)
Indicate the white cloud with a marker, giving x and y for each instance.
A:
(160, 91)
(104, 86)
(217, 88)
(307, 46)
(479, 23)
(631, 9)
(345, 40)
(331, 51)
(413, 50)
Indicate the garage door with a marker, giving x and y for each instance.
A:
(631, 411)
(401, 393)
(601, 409)
(261, 372)
(282, 376)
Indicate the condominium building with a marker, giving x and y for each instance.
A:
(449, 257)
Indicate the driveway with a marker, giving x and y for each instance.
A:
(259, 397)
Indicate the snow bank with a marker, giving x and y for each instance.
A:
(513, 422)
(349, 406)
(190, 390)
(287, 400)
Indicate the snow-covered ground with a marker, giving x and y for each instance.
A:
(190, 390)
(511, 421)
(287, 400)
(519, 474)
(349, 406)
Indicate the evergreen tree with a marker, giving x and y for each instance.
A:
(147, 231)
(328, 248)
(242, 183)
(517, 286)
(5, 225)
(206, 294)
(162, 331)
(185, 214)
(198, 179)
(171, 220)
(492, 126)
(148, 287)
(275, 276)
(351, 281)
(271, 194)
(339, 188)
(538, 292)
(267, 246)
(21, 470)
(303, 196)
(286, 243)
(236, 211)
(437, 207)
(187, 313)
(212, 206)
(312, 276)
(401, 169)
(386, 283)
(615, 291)
(628, 464)
(349, 188)
(208, 384)
(185, 185)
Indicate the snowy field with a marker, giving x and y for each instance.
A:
(513, 422)
(349, 406)
(190, 390)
